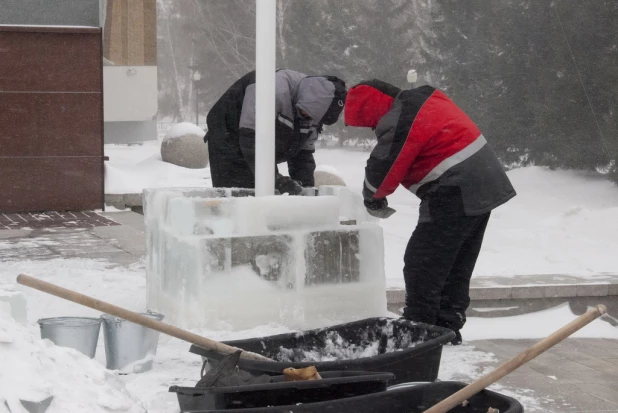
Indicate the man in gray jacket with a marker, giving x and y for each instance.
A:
(303, 104)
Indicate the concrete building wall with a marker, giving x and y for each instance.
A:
(130, 93)
(130, 132)
(130, 32)
(129, 50)
(50, 12)
(130, 74)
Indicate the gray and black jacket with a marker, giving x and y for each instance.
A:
(322, 97)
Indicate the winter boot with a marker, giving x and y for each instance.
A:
(457, 340)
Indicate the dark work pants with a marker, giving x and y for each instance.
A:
(439, 261)
(228, 167)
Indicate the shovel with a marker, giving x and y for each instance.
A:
(134, 317)
(519, 360)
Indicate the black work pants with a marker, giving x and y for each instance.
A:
(439, 261)
(228, 167)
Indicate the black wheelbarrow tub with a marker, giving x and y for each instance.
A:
(414, 399)
(333, 385)
(416, 359)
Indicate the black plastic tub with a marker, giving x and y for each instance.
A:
(334, 385)
(418, 349)
(415, 399)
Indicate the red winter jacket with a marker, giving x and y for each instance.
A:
(428, 145)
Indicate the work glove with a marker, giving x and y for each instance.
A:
(379, 208)
(285, 184)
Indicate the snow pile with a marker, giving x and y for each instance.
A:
(33, 370)
(184, 128)
(368, 344)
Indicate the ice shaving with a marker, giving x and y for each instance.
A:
(334, 347)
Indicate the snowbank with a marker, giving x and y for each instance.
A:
(34, 370)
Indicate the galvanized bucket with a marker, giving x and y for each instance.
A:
(80, 333)
(129, 347)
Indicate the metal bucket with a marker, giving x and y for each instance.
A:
(129, 347)
(80, 333)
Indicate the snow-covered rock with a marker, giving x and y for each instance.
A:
(327, 175)
(34, 370)
(184, 146)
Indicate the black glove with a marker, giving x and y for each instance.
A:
(379, 208)
(285, 184)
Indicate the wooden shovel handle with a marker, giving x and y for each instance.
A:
(134, 317)
(522, 358)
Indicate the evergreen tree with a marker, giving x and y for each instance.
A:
(539, 77)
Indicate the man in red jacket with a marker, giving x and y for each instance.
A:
(429, 146)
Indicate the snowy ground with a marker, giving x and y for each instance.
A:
(174, 365)
(561, 222)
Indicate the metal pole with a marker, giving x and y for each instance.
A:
(265, 64)
(197, 103)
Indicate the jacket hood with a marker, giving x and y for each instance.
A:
(368, 101)
(319, 97)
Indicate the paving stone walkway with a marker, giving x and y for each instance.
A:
(121, 240)
(577, 375)
(87, 219)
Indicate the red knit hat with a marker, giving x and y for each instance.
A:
(367, 102)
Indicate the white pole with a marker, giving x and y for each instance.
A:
(265, 64)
